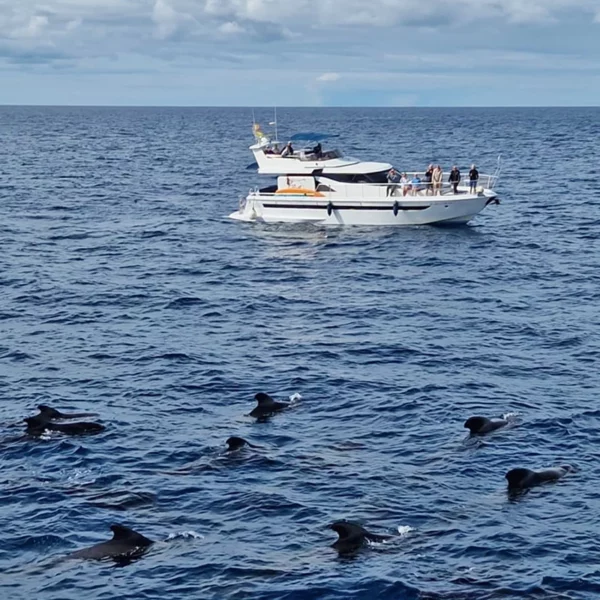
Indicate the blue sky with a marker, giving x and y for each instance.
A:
(300, 52)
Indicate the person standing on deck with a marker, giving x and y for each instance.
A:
(393, 178)
(428, 178)
(454, 178)
(473, 179)
(437, 177)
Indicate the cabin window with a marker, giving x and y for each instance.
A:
(377, 177)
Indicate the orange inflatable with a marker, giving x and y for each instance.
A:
(300, 192)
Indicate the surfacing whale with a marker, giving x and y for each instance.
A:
(51, 413)
(353, 536)
(126, 544)
(267, 406)
(483, 425)
(237, 443)
(37, 425)
(520, 479)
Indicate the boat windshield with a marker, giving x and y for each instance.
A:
(309, 154)
(274, 150)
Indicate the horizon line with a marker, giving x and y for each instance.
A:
(311, 107)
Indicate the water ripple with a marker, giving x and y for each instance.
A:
(128, 294)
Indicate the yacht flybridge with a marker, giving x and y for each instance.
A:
(315, 185)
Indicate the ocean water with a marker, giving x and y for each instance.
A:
(126, 291)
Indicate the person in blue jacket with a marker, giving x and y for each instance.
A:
(415, 184)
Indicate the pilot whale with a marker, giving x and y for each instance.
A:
(51, 413)
(37, 425)
(125, 544)
(267, 406)
(520, 479)
(237, 443)
(483, 425)
(353, 536)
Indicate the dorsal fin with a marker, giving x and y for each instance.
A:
(475, 423)
(48, 412)
(263, 399)
(346, 529)
(122, 533)
(234, 443)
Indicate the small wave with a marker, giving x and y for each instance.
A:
(184, 302)
(153, 234)
(16, 355)
(70, 236)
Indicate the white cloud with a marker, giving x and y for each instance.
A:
(166, 19)
(331, 13)
(74, 24)
(328, 33)
(34, 28)
(329, 77)
(231, 27)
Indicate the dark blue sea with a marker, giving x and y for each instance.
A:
(126, 291)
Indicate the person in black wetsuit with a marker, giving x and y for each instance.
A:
(454, 178)
(318, 151)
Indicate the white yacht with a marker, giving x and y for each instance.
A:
(321, 186)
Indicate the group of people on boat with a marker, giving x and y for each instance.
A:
(431, 182)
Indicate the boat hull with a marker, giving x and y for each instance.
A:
(393, 212)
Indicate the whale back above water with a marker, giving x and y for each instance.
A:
(51, 413)
(125, 543)
(38, 424)
(353, 536)
(481, 425)
(266, 406)
(522, 478)
(236, 443)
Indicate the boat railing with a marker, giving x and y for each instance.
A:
(402, 189)
(485, 181)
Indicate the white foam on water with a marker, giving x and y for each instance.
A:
(404, 530)
(295, 397)
(185, 535)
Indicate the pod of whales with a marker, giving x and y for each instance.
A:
(353, 536)
(483, 425)
(125, 544)
(520, 479)
(267, 406)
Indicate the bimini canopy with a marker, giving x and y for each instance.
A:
(309, 136)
